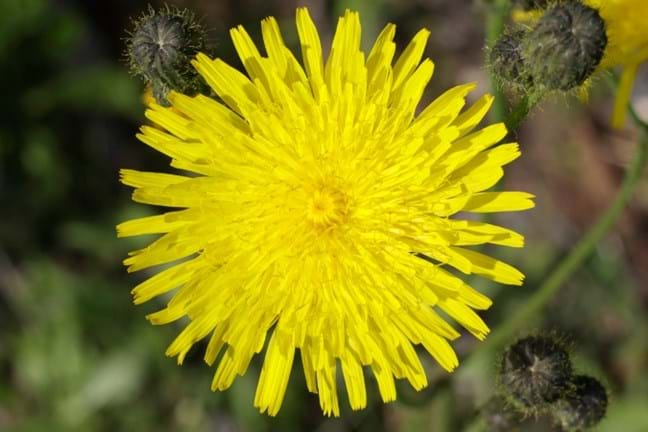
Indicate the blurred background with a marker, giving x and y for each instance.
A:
(75, 354)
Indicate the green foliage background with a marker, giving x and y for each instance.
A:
(75, 354)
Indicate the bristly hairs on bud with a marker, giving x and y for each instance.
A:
(506, 61)
(584, 406)
(160, 47)
(534, 372)
(528, 5)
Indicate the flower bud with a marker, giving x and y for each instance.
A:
(160, 50)
(584, 406)
(535, 371)
(507, 62)
(528, 5)
(565, 46)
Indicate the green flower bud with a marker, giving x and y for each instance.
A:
(535, 371)
(584, 406)
(506, 60)
(565, 46)
(528, 5)
(160, 49)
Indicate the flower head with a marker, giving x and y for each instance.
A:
(625, 22)
(323, 214)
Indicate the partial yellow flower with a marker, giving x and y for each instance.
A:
(324, 214)
(627, 44)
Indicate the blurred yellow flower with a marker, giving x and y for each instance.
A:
(627, 44)
(321, 214)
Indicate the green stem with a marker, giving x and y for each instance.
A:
(520, 112)
(497, 15)
(576, 257)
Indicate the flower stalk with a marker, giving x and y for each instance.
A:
(520, 112)
(496, 19)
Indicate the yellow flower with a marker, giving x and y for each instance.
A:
(625, 22)
(321, 214)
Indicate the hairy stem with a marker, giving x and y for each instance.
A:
(496, 18)
(520, 112)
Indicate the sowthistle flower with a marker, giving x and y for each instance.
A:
(625, 21)
(324, 214)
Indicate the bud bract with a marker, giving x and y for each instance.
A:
(535, 371)
(160, 50)
(565, 46)
(531, 4)
(506, 59)
(584, 406)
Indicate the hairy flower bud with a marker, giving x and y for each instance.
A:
(160, 50)
(531, 4)
(506, 59)
(565, 46)
(584, 406)
(535, 371)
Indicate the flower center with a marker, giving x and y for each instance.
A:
(327, 208)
